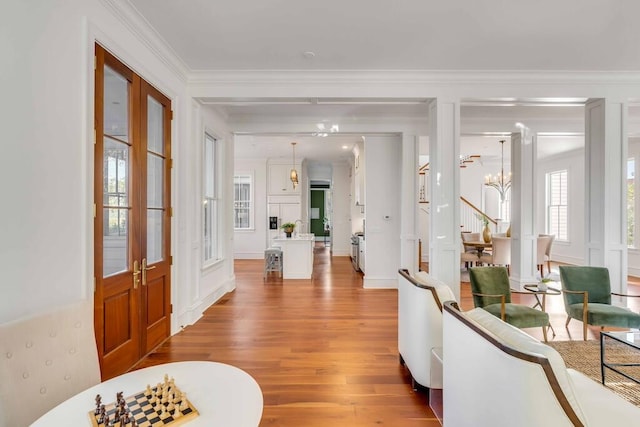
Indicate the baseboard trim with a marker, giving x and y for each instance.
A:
(248, 255)
(379, 282)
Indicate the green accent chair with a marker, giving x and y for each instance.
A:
(491, 291)
(587, 297)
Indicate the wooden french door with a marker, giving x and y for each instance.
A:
(132, 215)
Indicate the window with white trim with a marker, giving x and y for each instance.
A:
(211, 205)
(557, 204)
(242, 204)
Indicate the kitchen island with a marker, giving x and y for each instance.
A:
(297, 255)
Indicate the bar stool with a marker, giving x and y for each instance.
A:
(272, 261)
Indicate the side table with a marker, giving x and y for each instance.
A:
(533, 288)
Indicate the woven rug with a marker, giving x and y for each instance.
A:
(584, 356)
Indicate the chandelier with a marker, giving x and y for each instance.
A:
(294, 172)
(500, 182)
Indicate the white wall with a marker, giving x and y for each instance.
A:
(46, 224)
(382, 211)
(250, 244)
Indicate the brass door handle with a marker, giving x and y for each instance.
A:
(136, 273)
(144, 271)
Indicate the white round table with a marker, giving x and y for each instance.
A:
(224, 395)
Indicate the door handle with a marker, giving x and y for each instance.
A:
(144, 271)
(136, 273)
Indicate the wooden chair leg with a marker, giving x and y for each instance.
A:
(566, 325)
(584, 330)
(549, 266)
(544, 333)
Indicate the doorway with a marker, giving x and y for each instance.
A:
(132, 234)
(320, 212)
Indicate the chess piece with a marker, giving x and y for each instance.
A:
(183, 404)
(170, 406)
(98, 402)
(148, 391)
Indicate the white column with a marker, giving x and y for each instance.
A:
(605, 188)
(409, 204)
(524, 238)
(444, 207)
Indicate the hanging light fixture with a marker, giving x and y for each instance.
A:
(500, 182)
(294, 172)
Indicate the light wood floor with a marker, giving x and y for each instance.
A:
(324, 351)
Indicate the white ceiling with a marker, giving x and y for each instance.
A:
(399, 35)
(545, 35)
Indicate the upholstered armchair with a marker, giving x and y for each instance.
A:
(547, 251)
(491, 291)
(543, 246)
(420, 299)
(587, 297)
(500, 252)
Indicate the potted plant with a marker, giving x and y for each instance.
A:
(288, 228)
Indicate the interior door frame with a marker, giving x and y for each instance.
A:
(137, 243)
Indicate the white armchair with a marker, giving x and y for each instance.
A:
(496, 375)
(45, 360)
(420, 299)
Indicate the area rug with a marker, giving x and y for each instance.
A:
(584, 356)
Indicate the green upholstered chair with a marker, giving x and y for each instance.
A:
(491, 291)
(587, 297)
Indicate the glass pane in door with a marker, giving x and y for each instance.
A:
(154, 235)
(155, 126)
(155, 180)
(116, 105)
(116, 207)
(116, 240)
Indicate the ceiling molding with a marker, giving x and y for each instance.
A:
(129, 16)
(508, 77)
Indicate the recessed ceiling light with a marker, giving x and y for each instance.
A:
(345, 147)
(308, 54)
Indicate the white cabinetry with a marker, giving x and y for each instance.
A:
(359, 178)
(280, 179)
(361, 248)
(285, 212)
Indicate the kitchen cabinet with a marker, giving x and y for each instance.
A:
(285, 212)
(361, 248)
(297, 254)
(279, 182)
(359, 178)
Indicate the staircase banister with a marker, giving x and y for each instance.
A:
(472, 206)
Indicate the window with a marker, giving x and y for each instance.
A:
(631, 202)
(242, 206)
(211, 236)
(557, 205)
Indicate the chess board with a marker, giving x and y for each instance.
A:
(144, 413)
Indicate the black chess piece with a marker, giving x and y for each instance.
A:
(98, 402)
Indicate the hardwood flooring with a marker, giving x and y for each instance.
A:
(324, 351)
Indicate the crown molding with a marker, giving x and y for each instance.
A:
(435, 77)
(129, 16)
